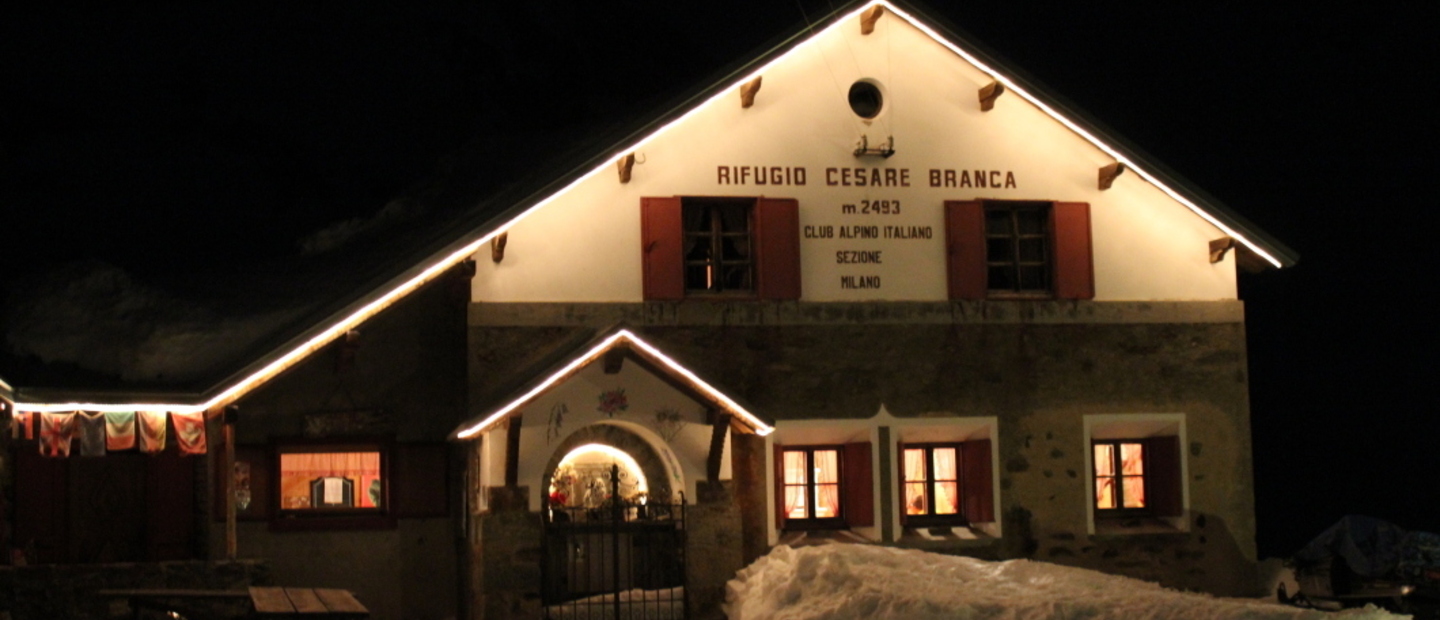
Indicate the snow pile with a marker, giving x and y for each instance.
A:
(840, 581)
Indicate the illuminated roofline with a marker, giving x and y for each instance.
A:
(299, 352)
(1080, 131)
(761, 428)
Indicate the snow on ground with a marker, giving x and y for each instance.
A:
(838, 582)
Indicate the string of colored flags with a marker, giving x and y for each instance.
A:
(99, 432)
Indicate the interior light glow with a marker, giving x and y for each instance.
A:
(343, 325)
(761, 428)
(627, 461)
(1094, 141)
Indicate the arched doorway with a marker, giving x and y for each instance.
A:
(579, 467)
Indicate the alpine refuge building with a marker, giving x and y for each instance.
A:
(834, 298)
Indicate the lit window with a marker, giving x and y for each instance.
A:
(812, 485)
(331, 478)
(931, 479)
(1119, 475)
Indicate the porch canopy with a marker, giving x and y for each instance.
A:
(612, 347)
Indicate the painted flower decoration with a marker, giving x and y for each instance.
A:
(613, 402)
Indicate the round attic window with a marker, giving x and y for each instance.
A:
(865, 99)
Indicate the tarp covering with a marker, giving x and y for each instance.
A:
(1374, 548)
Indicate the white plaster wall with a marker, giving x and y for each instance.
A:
(585, 245)
(540, 436)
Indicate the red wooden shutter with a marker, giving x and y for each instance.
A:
(779, 486)
(41, 505)
(1074, 261)
(661, 241)
(170, 499)
(1162, 476)
(977, 486)
(777, 248)
(858, 485)
(418, 480)
(965, 249)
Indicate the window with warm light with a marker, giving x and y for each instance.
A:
(812, 487)
(332, 479)
(1119, 476)
(931, 483)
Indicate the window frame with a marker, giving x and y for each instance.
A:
(1069, 250)
(714, 236)
(1117, 460)
(774, 239)
(349, 518)
(1167, 472)
(930, 518)
(1015, 262)
(838, 522)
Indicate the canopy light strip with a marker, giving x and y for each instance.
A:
(293, 356)
(761, 428)
(1094, 141)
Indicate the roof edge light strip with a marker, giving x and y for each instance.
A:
(761, 428)
(1094, 141)
(335, 330)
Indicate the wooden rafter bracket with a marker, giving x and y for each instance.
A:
(989, 93)
(497, 246)
(748, 90)
(624, 165)
(614, 360)
(869, 17)
(1108, 173)
(1219, 247)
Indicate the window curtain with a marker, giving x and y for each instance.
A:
(297, 470)
(827, 484)
(795, 474)
(915, 478)
(947, 501)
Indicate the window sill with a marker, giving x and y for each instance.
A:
(319, 523)
(1134, 525)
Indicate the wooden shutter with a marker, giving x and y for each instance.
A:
(661, 243)
(777, 248)
(857, 485)
(41, 506)
(170, 498)
(779, 486)
(1074, 262)
(419, 480)
(965, 249)
(259, 458)
(977, 484)
(1162, 476)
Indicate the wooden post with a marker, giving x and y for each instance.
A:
(512, 452)
(227, 419)
(717, 447)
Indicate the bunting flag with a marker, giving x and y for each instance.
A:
(190, 432)
(56, 431)
(22, 427)
(152, 431)
(90, 428)
(119, 430)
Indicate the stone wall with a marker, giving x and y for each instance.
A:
(1038, 367)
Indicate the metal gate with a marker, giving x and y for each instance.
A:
(614, 561)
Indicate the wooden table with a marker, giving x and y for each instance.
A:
(270, 603)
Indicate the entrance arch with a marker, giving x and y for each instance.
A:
(653, 468)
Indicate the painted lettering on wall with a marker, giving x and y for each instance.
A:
(760, 175)
(972, 178)
(864, 177)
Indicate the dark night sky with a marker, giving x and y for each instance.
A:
(184, 139)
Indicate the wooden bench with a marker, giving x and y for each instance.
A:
(306, 603)
(268, 603)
